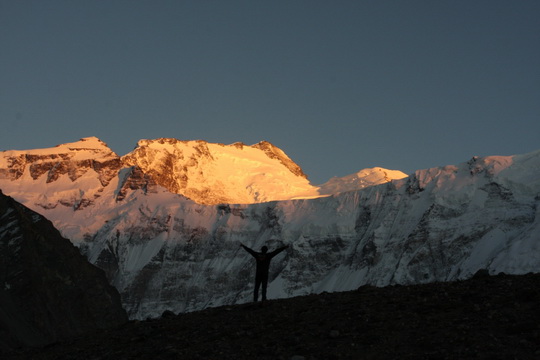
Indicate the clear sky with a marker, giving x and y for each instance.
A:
(338, 85)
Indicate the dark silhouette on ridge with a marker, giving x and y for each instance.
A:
(263, 259)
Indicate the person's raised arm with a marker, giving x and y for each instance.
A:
(253, 253)
(277, 251)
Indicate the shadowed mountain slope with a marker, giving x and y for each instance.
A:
(48, 290)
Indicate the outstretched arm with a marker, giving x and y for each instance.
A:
(253, 253)
(277, 251)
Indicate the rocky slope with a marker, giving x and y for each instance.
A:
(48, 290)
(482, 318)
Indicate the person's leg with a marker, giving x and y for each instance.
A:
(264, 282)
(256, 292)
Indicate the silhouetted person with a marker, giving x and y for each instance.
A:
(263, 264)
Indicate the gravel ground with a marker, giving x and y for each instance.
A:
(486, 317)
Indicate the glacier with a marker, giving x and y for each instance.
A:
(163, 251)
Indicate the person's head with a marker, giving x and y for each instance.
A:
(264, 249)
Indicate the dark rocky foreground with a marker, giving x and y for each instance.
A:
(48, 290)
(486, 317)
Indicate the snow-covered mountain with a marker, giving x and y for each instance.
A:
(216, 173)
(163, 251)
(361, 179)
(76, 174)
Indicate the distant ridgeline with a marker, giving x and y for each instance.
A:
(165, 221)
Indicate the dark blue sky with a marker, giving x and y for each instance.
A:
(338, 85)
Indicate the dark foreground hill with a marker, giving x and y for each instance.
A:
(48, 291)
(486, 317)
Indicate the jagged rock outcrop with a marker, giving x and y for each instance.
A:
(274, 152)
(76, 174)
(73, 159)
(216, 173)
(48, 290)
(133, 178)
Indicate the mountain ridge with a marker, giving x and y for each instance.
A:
(205, 172)
(216, 173)
(165, 252)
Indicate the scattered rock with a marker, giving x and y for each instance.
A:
(334, 334)
(297, 357)
(167, 314)
(431, 321)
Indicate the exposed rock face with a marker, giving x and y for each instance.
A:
(133, 178)
(73, 159)
(275, 153)
(76, 174)
(216, 173)
(48, 290)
